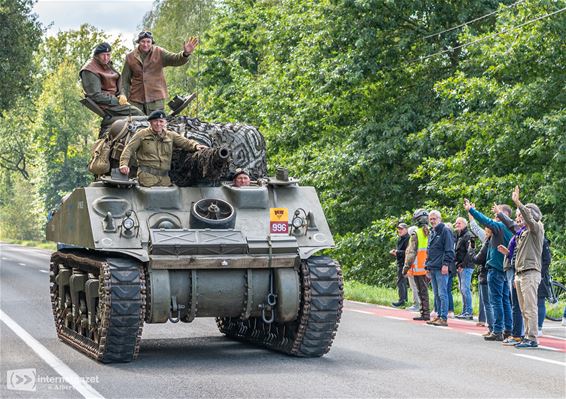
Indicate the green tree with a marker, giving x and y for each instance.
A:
(20, 33)
(62, 135)
(172, 22)
(22, 216)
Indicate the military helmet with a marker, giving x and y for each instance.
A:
(420, 217)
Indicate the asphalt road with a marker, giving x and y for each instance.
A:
(378, 352)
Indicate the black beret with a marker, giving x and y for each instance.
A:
(102, 48)
(156, 115)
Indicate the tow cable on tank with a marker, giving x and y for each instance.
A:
(271, 298)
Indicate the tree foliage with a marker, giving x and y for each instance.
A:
(20, 33)
(384, 106)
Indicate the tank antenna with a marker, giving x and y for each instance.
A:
(199, 32)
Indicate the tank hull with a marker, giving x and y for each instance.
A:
(133, 255)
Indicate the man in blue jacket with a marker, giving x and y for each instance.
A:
(499, 294)
(440, 256)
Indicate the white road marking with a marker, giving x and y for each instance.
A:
(555, 328)
(541, 359)
(43, 271)
(439, 327)
(395, 318)
(360, 303)
(53, 361)
(549, 348)
(359, 311)
(21, 264)
(554, 337)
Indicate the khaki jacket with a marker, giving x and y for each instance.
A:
(529, 244)
(154, 152)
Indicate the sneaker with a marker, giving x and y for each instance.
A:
(422, 318)
(480, 324)
(398, 303)
(507, 334)
(487, 333)
(527, 343)
(460, 316)
(539, 333)
(413, 308)
(511, 341)
(494, 337)
(433, 314)
(450, 315)
(440, 322)
(465, 316)
(431, 322)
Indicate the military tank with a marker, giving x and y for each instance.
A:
(247, 256)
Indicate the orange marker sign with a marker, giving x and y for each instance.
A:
(279, 221)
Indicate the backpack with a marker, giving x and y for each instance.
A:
(100, 161)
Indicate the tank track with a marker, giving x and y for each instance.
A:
(120, 307)
(311, 335)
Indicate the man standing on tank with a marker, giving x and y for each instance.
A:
(153, 147)
(143, 78)
(102, 83)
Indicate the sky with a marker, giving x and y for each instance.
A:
(112, 16)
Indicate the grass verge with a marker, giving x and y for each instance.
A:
(356, 291)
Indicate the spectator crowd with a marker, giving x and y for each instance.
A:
(512, 257)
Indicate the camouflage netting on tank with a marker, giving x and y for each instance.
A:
(244, 142)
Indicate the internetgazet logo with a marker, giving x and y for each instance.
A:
(21, 380)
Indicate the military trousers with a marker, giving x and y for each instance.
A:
(148, 108)
(422, 289)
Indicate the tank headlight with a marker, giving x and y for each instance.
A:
(128, 223)
(297, 222)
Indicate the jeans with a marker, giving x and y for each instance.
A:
(484, 292)
(465, 279)
(439, 287)
(517, 329)
(541, 311)
(481, 313)
(449, 285)
(500, 300)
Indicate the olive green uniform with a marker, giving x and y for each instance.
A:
(154, 154)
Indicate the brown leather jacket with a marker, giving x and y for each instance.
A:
(109, 78)
(144, 81)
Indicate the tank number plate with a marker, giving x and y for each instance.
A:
(279, 221)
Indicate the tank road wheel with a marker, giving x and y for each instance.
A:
(311, 335)
(109, 304)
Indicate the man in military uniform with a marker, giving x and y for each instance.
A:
(153, 147)
(102, 83)
(143, 79)
(241, 178)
